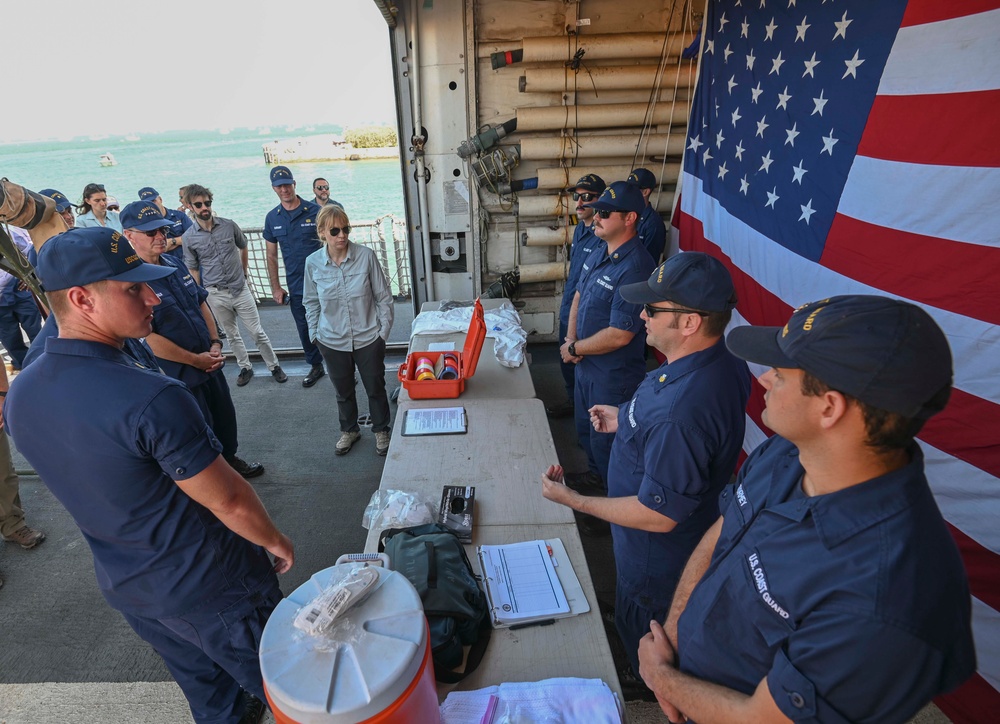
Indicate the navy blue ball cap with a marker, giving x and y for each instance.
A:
(691, 279)
(148, 193)
(281, 176)
(62, 203)
(84, 256)
(591, 182)
(143, 215)
(620, 196)
(643, 178)
(885, 352)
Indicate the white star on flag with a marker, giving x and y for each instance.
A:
(776, 64)
(695, 143)
(755, 92)
(707, 156)
(772, 196)
(798, 172)
(783, 99)
(792, 133)
(719, 138)
(739, 150)
(769, 29)
(732, 84)
(723, 171)
(820, 103)
(807, 211)
(736, 116)
(800, 30)
(761, 126)
(744, 185)
(842, 27)
(828, 143)
(766, 165)
(727, 51)
(750, 60)
(852, 66)
(810, 66)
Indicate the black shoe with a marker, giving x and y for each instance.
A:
(244, 377)
(279, 374)
(588, 483)
(592, 527)
(247, 470)
(253, 711)
(312, 378)
(557, 412)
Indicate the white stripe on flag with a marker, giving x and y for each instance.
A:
(950, 56)
(909, 197)
(985, 628)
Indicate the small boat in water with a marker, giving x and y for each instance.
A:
(108, 159)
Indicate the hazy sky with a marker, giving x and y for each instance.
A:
(127, 67)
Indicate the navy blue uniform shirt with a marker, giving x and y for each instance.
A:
(295, 233)
(601, 306)
(676, 448)
(583, 245)
(109, 439)
(652, 232)
(853, 604)
(178, 317)
(179, 224)
(137, 349)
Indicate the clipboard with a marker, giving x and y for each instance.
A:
(575, 601)
(423, 421)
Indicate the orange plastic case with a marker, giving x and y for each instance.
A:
(468, 359)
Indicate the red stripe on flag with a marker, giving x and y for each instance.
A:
(981, 565)
(962, 430)
(945, 274)
(973, 701)
(967, 429)
(899, 127)
(919, 12)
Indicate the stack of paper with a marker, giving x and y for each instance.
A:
(567, 700)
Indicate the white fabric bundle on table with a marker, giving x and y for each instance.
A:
(552, 701)
(503, 324)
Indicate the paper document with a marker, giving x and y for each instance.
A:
(435, 421)
(521, 583)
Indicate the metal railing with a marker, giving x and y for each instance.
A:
(386, 235)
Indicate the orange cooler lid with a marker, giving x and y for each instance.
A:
(474, 341)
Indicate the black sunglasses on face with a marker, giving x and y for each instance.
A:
(322, 188)
(651, 310)
(199, 204)
(114, 207)
(152, 234)
(583, 197)
(605, 214)
(335, 231)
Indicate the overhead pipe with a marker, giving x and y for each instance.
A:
(546, 235)
(632, 145)
(553, 118)
(562, 205)
(602, 78)
(552, 271)
(563, 178)
(595, 47)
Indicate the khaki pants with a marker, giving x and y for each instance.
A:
(11, 514)
(227, 307)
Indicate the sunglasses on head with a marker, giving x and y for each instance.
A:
(199, 204)
(93, 188)
(322, 188)
(153, 232)
(335, 230)
(651, 311)
(583, 196)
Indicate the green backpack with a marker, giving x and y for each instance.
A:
(434, 561)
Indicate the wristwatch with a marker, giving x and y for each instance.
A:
(214, 341)
(572, 348)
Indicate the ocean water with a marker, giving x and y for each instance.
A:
(231, 165)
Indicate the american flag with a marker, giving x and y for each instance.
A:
(839, 147)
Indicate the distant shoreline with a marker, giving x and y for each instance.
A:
(321, 148)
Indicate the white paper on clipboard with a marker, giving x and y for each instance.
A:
(527, 583)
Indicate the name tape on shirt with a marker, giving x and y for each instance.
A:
(760, 579)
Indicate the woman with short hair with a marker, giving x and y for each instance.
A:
(348, 306)
(93, 211)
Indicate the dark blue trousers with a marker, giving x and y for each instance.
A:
(23, 313)
(212, 652)
(632, 621)
(216, 405)
(590, 392)
(313, 356)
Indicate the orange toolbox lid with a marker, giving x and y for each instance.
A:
(473, 341)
